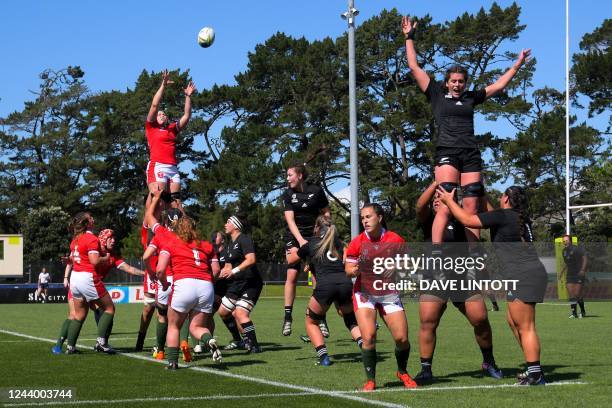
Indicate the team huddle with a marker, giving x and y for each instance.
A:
(188, 279)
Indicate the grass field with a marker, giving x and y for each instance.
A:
(576, 357)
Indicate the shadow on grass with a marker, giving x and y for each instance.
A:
(549, 372)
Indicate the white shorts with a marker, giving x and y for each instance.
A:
(385, 304)
(83, 285)
(162, 296)
(150, 286)
(192, 294)
(162, 173)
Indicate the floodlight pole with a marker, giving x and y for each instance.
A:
(349, 16)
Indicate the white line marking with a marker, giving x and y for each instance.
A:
(133, 400)
(554, 304)
(86, 339)
(312, 390)
(463, 387)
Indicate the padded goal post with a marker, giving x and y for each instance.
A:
(11, 255)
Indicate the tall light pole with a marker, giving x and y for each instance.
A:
(349, 16)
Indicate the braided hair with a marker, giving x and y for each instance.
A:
(517, 197)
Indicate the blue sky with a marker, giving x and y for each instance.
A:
(113, 41)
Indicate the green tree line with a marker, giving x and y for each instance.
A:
(71, 149)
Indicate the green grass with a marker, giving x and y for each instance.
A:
(572, 351)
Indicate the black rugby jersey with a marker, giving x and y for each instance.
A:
(328, 264)
(506, 237)
(235, 253)
(454, 117)
(306, 207)
(572, 255)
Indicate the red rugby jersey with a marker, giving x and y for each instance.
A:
(162, 142)
(157, 242)
(103, 267)
(80, 248)
(188, 260)
(354, 255)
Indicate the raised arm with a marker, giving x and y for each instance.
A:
(150, 219)
(505, 79)
(152, 115)
(187, 114)
(420, 76)
(422, 207)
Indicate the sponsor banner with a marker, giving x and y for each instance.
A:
(119, 294)
(136, 294)
(26, 294)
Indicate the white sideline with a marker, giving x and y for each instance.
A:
(156, 399)
(466, 387)
(310, 390)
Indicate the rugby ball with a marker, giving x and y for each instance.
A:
(206, 37)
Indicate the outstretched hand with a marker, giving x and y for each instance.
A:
(407, 27)
(191, 88)
(524, 56)
(166, 78)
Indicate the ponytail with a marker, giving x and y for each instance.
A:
(79, 223)
(301, 168)
(185, 229)
(326, 230)
(517, 197)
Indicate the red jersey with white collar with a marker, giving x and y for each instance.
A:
(355, 253)
(103, 268)
(162, 141)
(80, 248)
(189, 260)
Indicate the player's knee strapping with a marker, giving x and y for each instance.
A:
(229, 304)
(314, 316)
(476, 189)
(448, 187)
(245, 304)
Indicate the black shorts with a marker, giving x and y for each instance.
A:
(464, 159)
(248, 289)
(291, 242)
(575, 279)
(44, 285)
(333, 289)
(221, 286)
(530, 288)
